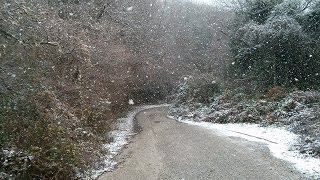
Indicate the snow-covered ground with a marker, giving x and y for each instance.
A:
(278, 140)
(120, 137)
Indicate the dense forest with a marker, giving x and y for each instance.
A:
(70, 68)
(277, 43)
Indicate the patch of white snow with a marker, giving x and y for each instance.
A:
(130, 8)
(278, 140)
(131, 102)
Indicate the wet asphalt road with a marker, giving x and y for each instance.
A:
(167, 149)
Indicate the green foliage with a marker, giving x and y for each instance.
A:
(311, 22)
(41, 142)
(278, 49)
(255, 10)
(260, 10)
(45, 140)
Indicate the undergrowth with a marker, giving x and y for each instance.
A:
(42, 139)
(297, 110)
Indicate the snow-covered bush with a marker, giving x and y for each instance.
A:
(198, 89)
(193, 93)
(299, 111)
(311, 21)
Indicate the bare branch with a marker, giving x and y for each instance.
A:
(307, 5)
(8, 34)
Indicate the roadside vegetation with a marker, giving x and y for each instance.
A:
(67, 71)
(70, 68)
(272, 77)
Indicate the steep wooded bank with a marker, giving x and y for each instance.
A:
(60, 89)
(69, 67)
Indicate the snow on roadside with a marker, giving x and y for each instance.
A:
(120, 137)
(279, 141)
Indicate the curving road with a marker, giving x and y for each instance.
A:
(167, 149)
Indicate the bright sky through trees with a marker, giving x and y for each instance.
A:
(209, 2)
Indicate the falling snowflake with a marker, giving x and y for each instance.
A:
(131, 102)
